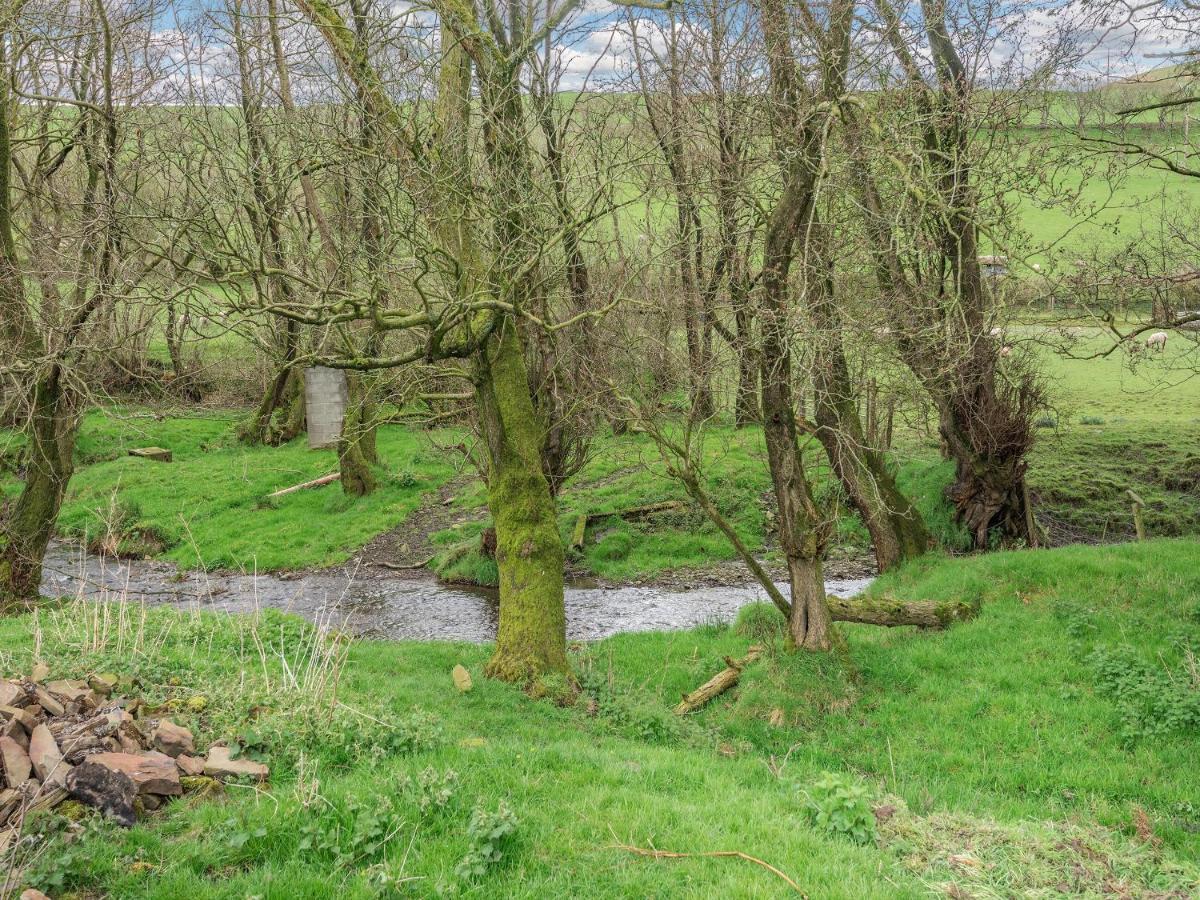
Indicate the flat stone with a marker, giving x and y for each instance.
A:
(219, 764)
(20, 715)
(68, 689)
(11, 693)
(462, 678)
(108, 790)
(47, 760)
(153, 773)
(16, 762)
(33, 894)
(49, 703)
(190, 765)
(11, 728)
(172, 739)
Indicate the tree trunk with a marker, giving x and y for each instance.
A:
(357, 455)
(897, 530)
(747, 409)
(531, 639)
(988, 491)
(26, 531)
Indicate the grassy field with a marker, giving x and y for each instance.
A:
(1047, 747)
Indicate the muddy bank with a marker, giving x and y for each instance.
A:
(397, 606)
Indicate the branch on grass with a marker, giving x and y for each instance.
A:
(714, 854)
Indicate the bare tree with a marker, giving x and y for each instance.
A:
(77, 71)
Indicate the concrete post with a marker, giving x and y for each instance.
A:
(325, 396)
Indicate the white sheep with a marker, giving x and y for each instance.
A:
(1006, 351)
(997, 332)
(1157, 341)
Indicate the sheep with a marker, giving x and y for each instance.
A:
(997, 332)
(1157, 341)
(1006, 351)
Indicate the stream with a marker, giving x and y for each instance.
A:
(392, 605)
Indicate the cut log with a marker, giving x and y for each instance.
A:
(718, 684)
(316, 482)
(891, 613)
(158, 454)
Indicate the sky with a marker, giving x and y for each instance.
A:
(596, 49)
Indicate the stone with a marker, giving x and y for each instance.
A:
(462, 678)
(103, 684)
(49, 703)
(219, 764)
(158, 454)
(11, 694)
(40, 672)
(153, 773)
(190, 765)
(172, 739)
(33, 894)
(16, 762)
(20, 715)
(68, 689)
(47, 760)
(11, 728)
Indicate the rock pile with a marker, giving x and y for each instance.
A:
(78, 740)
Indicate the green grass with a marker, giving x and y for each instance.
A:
(999, 742)
(208, 507)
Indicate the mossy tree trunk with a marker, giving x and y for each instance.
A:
(26, 531)
(531, 639)
(897, 530)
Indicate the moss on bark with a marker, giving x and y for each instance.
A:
(531, 640)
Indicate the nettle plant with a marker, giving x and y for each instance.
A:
(488, 835)
(841, 806)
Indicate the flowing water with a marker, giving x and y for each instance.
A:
(397, 606)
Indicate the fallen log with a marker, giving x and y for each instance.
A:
(718, 684)
(892, 613)
(404, 567)
(316, 482)
(633, 512)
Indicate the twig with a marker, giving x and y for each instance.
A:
(316, 482)
(738, 854)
